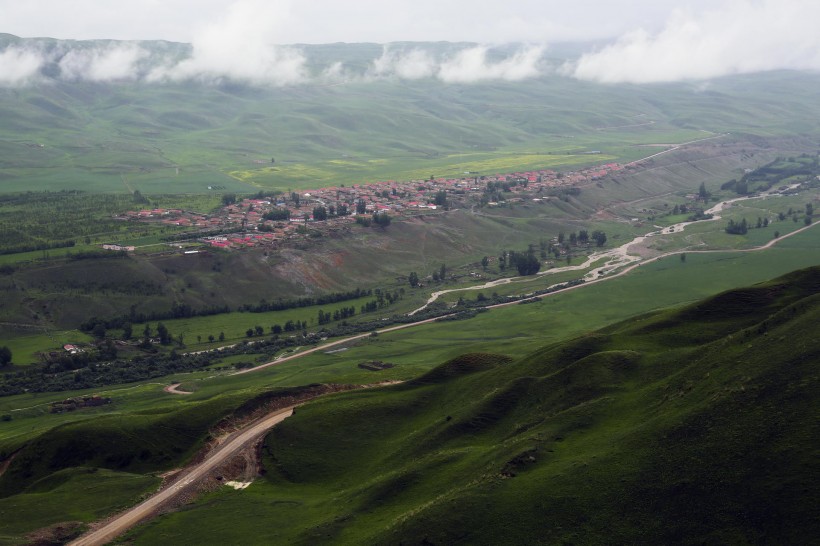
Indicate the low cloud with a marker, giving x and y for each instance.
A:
(742, 36)
(471, 65)
(468, 65)
(241, 48)
(118, 62)
(19, 66)
(409, 65)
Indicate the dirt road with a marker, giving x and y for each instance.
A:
(185, 482)
(174, 389)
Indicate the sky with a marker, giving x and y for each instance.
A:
(327, 21)
(649, 41)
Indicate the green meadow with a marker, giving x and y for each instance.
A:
(630, 433)
(614, 412)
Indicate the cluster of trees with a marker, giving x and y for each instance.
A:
(439, 275)
(81, 372)
(742, 227)
(413, 279)
(525, 262)
(763, 178)
(35, 221)
(380, 219)
(737, 228)
(277, 215)
(31, 247)
(583, 237)
(280, 305)
(178, 310)
(339, 314)
(290, 326)
(321, 213)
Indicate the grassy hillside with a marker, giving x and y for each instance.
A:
(690, 426)
(199, 138)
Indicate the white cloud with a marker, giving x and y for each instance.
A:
(468, 65)
(115, 63)
(410, 65)
(741, 36)
(19, 66)
(471, 65)
(241, 47)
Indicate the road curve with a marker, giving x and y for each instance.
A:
(131, 517)
(624, 271)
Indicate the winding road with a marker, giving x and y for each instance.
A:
(184, 483)
(620, 263)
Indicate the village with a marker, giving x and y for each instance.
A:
(264, 221)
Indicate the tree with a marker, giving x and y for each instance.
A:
(259, 330)
(229, 199)
(599, 237)
(99, 330)
(221, 336)
(295, 198)
(211, 338)
(683, 257)
(737, 228)
(249, 332)
(560, 237)
(164, 334)
(361, 206)
(441, 198)
(5, 355)
(277, 214)
(382, 220)
(442, 272)
(583, 237)
(127, 330)
(413, 278)
(527, 264)
(485, 261)
(703, 195)
(809, 209)
(319, 213)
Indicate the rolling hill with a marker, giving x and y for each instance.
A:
(690, 426)
(184, 136)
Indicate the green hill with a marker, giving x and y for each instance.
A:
(692, 426)
(185, 137)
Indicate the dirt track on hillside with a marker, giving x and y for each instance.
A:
(185, 483)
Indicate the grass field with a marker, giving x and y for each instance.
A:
(439, 454)
(639, 432)
(516, 331)
(184, 138)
